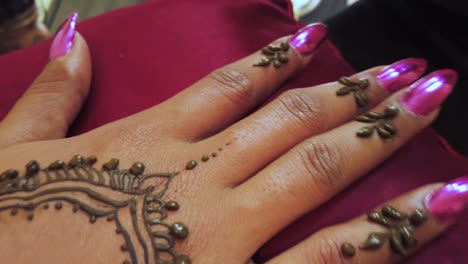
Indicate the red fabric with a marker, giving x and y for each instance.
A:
(145, 54)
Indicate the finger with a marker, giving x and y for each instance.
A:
(320, 167)
(50, 105)
(228, 93)
(302, 113)
(390, 243)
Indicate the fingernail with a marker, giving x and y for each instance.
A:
(427, 94)
(63, 40)
(401, 74)
(306, 40)
(448, 202)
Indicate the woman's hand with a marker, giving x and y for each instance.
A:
(239, 177)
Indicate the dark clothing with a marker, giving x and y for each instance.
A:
(12, 8)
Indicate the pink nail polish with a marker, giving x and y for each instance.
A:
(63, 40)
(427, 94)
(449, 201)
(401, 74)
(306, 40)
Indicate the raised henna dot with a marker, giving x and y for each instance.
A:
(191, 165)
(58, 205)
(111, 165)
(32, 168)
(205, 158)
(137, 168)
(179, 230)
(57, 165)
(92, 219)
(172, 206)
(77, 160)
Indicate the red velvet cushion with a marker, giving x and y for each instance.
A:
(145, 54)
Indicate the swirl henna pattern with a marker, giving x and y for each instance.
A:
(39, 187)
(131, 191)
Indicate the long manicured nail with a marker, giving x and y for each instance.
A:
(63, 40)
(401, 74)
(306, 40)
(448, 202)
(427, 94)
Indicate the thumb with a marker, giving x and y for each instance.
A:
(49, 106)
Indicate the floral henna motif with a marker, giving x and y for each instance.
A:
(400, 234)
(275, 55)
(384, 129)
(357, 88)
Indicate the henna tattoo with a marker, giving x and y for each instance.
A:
(40, 187)
(348, 249)
(400, 231)
(275, 55)
(384, 129)
(191, 165)
(355, 87)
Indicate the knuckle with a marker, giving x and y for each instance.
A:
(50, 103)
(60, 79)
(234, 85)
(56, 93)
(303, 107)
(323, 162)
(328, 252)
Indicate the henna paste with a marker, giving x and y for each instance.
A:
(275, 55)
(191, 165)
(26, 193)
(172, 206)
(347, 249)
(355, 87)
(146, 204)
(400, 234)
(383, 128)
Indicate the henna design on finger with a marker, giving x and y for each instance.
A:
(275, 55)
(348, 249)
(383, 128)
(357, 88)
(400, 234)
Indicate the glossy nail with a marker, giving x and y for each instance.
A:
(401, 74)
(63, 40)
(306, 40)
(427, 94)
(448, 202)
